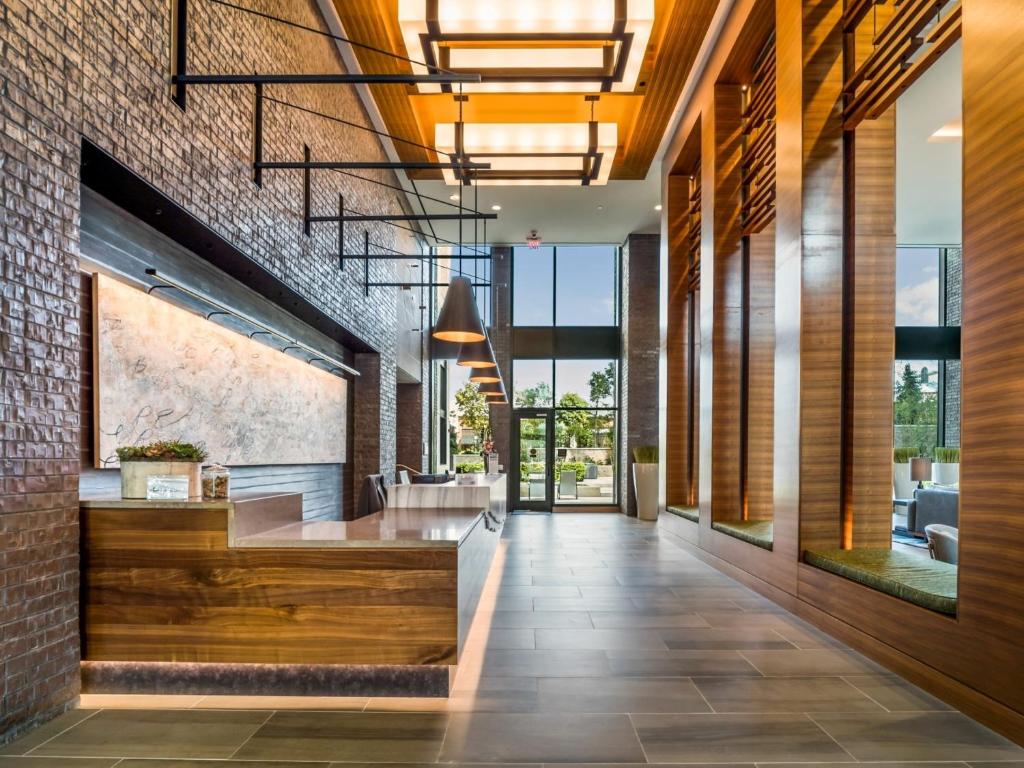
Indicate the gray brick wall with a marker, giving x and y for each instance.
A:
(638, 420)
(99, 69)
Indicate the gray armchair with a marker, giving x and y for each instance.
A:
(933, 505)
(943, 542)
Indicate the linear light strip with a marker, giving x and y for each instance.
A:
(264, 328)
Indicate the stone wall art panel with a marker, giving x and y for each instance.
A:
(164, 373)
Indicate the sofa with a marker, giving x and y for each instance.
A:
(933, 505)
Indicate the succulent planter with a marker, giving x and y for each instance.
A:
(135, 473)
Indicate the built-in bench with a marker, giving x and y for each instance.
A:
(756, 532)
(928, 583)
(687, 513)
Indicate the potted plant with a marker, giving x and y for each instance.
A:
(645, 481)
(902, 484)
(946, 469)
(139, 462)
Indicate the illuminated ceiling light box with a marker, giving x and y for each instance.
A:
(523, 154)
(530, 45)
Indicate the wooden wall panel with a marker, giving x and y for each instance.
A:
(871, 290)
(760, 503)
(677, 459)
(992, 410)
(809, 113)
(728, 296)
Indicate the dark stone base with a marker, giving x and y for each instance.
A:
(264, 679)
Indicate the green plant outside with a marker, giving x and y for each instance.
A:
(469, 467)
(164, 450)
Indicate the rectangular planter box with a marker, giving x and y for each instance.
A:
(135, 473)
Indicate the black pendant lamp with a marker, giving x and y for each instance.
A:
(484, 376)
(492, 389)
(459, 319)
(477, 354)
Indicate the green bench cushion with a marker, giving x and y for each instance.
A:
(690, 513)
(756, 532)
(918, 580)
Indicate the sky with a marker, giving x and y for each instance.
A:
(917, 286)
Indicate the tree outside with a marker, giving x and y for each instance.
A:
(602, 387)
(537, 396)
(573, 428)
(915, 413)
(472, 411)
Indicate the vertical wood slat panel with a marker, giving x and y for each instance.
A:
(677, 457)
(992, 400)
(821, 273)
(867, 512)
(761, 376)
(727, 348)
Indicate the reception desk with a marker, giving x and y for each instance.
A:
(244, 597)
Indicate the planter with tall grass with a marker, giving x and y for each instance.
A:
(645, 481)
(946, 468)
(902, 484)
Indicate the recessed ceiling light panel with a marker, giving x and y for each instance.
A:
(524, 154)
(544, 45)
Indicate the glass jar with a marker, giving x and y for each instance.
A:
(216, 482)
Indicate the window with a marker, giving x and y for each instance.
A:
(532, 384)
(585, 383)
(533, 281)
(917, 287)
(565, 286)
(916, 406)
(585, 286)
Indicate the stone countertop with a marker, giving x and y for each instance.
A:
(113, 500)
(392, 527)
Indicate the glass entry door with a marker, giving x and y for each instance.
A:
(533, 435)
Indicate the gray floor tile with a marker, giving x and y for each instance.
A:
(57, 762)
(896, 694)
(918, 736)
(784, 694)
(735, 738)
(541, 619)
(180, 733)
(679, 664)
(545, 663)
(548, 737)
(159, 763)
(827, 662)
(342, 736)
(47, 731)
(598, 639)
(725, 640)
(645, 619)
(594, 694)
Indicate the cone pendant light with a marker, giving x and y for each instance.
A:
(484, 376)
(477, 354)
(493, 389)
(459, 319)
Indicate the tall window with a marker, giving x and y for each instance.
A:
(573, 293)
(926, 375)
(565, 286)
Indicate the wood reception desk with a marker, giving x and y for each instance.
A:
(243, 597)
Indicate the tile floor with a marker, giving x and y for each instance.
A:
(599, 641)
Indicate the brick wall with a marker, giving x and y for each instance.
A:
(501, 339)
(99, 69)
(954, 301)
(638, 420)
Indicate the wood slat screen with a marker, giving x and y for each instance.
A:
(758, 208)
(915, 34)
(693, 232)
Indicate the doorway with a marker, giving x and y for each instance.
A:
(533, 434)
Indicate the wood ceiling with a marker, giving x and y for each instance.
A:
(641, 115)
